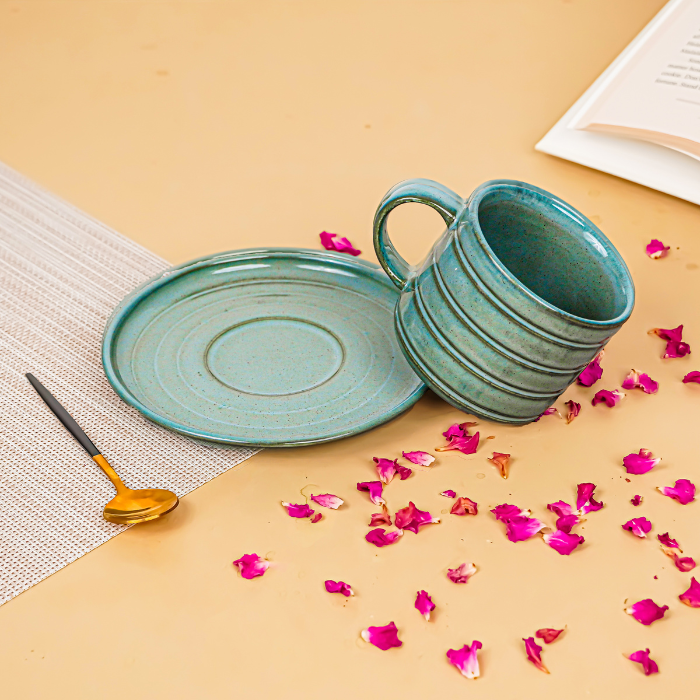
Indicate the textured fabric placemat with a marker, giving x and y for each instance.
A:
(61, 274)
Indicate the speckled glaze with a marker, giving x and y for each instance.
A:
(512, 302)
(270, 347)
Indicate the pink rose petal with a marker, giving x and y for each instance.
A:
(691, 597)
(566, 517)
(641, 462)
(674, 334)
(403, 472)
(638, 526)
(505, 512)
(298, 510)
(548, 635)
(573, 409)
(562, 542)
(636, 500)
(639, 380)
(692, 377)
(465, 659)
(683, 491)
(380, 538)
(534, 651)
(411, 518)
(567, 522)
(251, 565)
(593, 372)
(655, 250)
(668, 542)
(459, 430)
(424, 459)
(560, 508)
(520, 528)
(375, 491)
(609, 398)
(683, 564)
(382, 637)
(462, 573)
(585, 503)
(547, 412)
(464, 506)
(330, 241)
(382, 518)
(424, 604)
(386, 468)
(449, 493)
(465, 445)
(328, 500)
(501, 460)
(646, 611)
(675, 347)
(648, 664)
(316, 518)
(339, 587)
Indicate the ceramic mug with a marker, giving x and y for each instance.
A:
(513, 300)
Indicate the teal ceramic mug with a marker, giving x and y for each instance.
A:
(513, 300)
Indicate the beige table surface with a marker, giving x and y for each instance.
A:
(195, 127)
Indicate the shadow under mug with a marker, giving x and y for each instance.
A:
(513, 300)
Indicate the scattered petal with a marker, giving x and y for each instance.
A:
(251, 565)
(585, 503)
(520, 528)
(424, 604)
(316, 518)
(411, 518)
(339, 587)
(403, 472)
(462, 573)
(567, 522)
(636, 500)
(642, 656)
(547, 412)
(382, 518)
(548, 635)
(639, 380)
(666, 541)
(298, 510)
(424, 459)
(341, 245)
(465, 445)
(638, 526)
(386, 468)
(609, 398)
(382, 637)
(674, 334)
(459, 430)
(375, 491)
(683, 491)
(449, 493)
(562, 542)
(641, 462)
(566, 518)
(560, 508)
(573, 409)
(646, 611)
(655, 250)
(691, 597)
(501, 460)
(465, 659)
(692, 377)
(593, 372)
(675, 347)
(505, 512)
(380, 538)
(533, 651)
(328, 500)
(683, 564)
(464, 506)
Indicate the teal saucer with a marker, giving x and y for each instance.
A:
(263, 347)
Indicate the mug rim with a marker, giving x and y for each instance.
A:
(550, 200)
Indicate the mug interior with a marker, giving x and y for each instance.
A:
(555, 253)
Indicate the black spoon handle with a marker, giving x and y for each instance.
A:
(71, 426)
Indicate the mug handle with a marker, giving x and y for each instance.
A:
(429, 192)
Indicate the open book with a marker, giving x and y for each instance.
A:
(646, 102)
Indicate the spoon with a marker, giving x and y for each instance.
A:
(129, 506)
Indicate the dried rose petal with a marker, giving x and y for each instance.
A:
(386, 468)
(465, 659)
(683, 491)
(501, 460)
(380, 538)
(316, 518)
(636, 500)
(520, 528)
(382, 518)
(562, 542)
(464, 506)
(533, 651)
(298, 510)
(462, 573)
(585, 503)
(668, 542)
(251, 565)
(675, 347)
(639, 380)
(655, 250)
(340, 245)
(592, 373)
(566, 517)
(642, 657)
(328, 500)
(692, 377)
(424, 459)
(674, 334)
(449, 493)
(424, 604)
(573, 409)
(382, 637)
(411, 518)
(646, 611)
(403, 472)
(375, 491)
(560, 508)
(548, 635)
(638, 526)
(505, 512)
(609, 398)
(683, 564)
(547, 412)
(465, 445)
(691, 597)
(339, 587)
(641, 462)
(567, 522)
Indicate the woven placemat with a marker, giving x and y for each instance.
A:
(61, 274)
